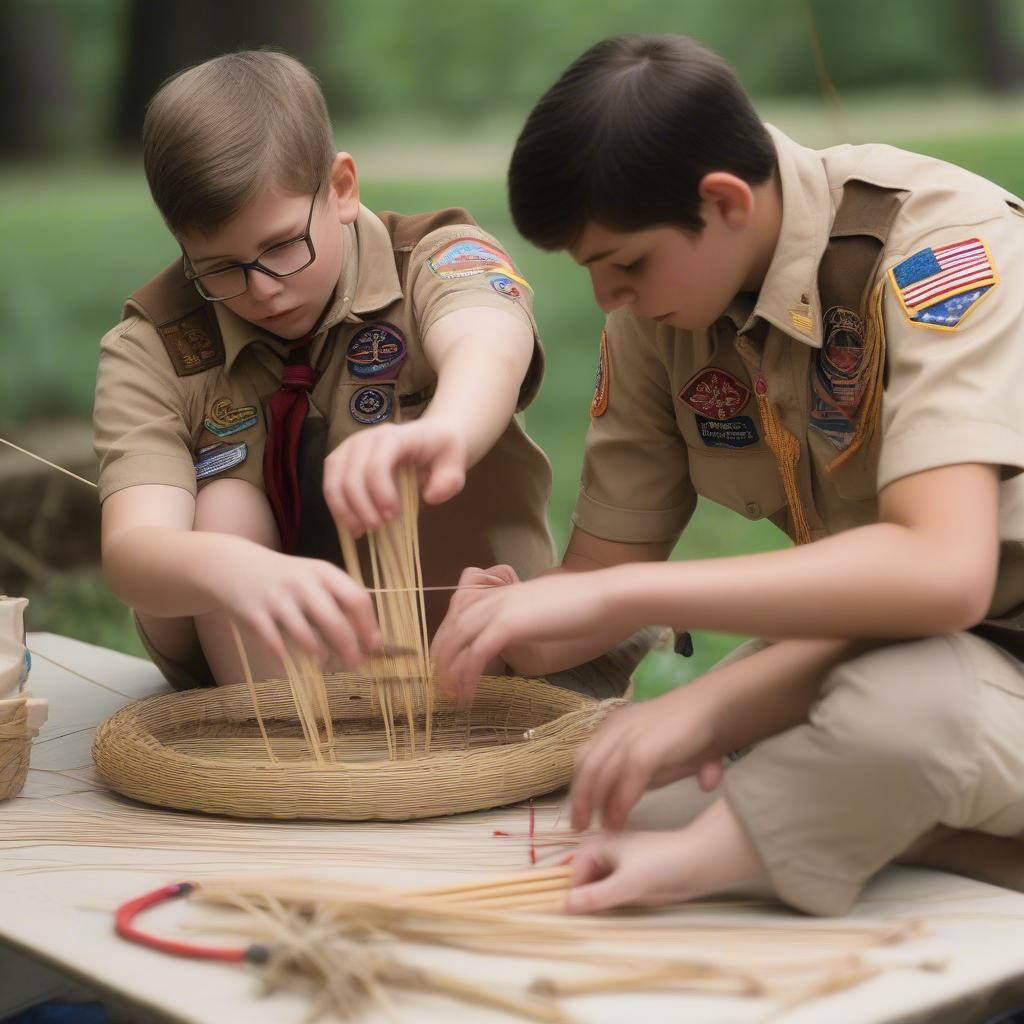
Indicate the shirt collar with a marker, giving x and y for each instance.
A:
(788, 298)
(368, 281)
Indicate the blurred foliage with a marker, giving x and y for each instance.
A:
(405, 56)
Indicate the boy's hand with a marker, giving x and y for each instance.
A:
(473, 584)
(359, 475)
(291, 602)
(653, 868)
(633, 869)
(643, 747)
(547, 608)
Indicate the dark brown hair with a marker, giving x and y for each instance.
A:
(216, 133)
(624, 137)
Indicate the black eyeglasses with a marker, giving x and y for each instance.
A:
(281, 260)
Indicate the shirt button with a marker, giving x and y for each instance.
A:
(753, 509)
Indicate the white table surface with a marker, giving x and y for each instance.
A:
(57, 894)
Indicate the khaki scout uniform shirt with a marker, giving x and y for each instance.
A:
(154, 426)
(677, 413)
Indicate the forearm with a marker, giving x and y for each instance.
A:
(169, 573)
(882, 580)
(546, 656)
(478, 382)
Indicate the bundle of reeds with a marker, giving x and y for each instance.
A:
(353, 946)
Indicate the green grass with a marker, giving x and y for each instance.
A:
(78, 241)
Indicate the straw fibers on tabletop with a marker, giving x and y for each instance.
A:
(202, 750)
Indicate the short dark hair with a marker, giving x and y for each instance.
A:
(624, 137)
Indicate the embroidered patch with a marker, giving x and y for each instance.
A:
(837, 376)
(464, 257)
(190, 346)
(947, 314)
(370, 406)
(225, 420)
(926, 282)
(218, 457)
(715, 394)
(599, 404)
(376, 350)
(511, 287)
(735, 433)
(800, 317)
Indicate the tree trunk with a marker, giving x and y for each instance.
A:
(165, 36)
(999, 55)
(36, 95)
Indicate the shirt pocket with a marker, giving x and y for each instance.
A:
(746, 482)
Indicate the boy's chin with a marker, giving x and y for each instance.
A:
(684, 322)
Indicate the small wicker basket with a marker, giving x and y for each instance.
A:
(200, 750)
(15, 745)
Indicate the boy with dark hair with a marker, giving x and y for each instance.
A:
(831, 340)
(301, 337)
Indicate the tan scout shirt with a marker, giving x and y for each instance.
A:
(680, 412)
(152, 426)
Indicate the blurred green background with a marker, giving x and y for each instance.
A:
(429, 98)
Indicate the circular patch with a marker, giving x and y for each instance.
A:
(506, 286)
(370, 405)
(376, 350)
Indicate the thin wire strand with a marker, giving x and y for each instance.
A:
(46, 462)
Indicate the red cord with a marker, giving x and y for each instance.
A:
(533, 845)
(127, 913)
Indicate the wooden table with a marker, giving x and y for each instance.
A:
(70, 851)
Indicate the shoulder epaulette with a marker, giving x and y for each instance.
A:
(406, 232)
(184, 320)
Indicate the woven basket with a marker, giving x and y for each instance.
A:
(15, 744)
(201, 751)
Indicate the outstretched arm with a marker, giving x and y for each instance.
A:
(156, 563)
(928, 567)
(481, 356)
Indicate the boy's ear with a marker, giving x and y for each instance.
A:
(345, 187)
(730, 195)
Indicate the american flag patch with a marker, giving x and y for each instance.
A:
(927, 281)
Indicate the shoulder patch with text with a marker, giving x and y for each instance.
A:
(938, 287)
(466, 257)
(191, 345)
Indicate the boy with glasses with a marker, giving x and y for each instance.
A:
(267, 385)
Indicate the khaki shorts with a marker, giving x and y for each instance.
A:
(605, 676)
(905, 739)
(186, 674)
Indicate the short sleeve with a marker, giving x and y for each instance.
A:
(140, 421)
(463, 267)
(954, 323)
(635, 485)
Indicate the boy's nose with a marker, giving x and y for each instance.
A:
(263, 286)
(610, 295)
